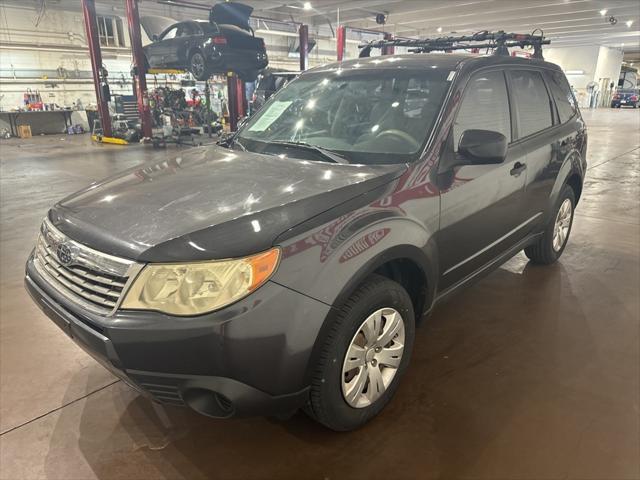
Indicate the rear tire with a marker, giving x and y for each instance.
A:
(376, 327)
(552, 243)
(198, 66)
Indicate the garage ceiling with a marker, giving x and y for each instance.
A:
(566, 22)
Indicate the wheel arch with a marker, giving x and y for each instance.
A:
(571, 173)
(575, 182)
(406, 264)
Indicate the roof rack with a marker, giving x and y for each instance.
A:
(499, 42)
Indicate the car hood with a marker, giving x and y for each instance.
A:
(208, 203)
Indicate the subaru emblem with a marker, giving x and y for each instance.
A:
(66, 254)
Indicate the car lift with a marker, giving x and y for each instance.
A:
(139, 69)
(499, 42)
(93, 40)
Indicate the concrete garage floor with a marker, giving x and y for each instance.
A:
(533, 373)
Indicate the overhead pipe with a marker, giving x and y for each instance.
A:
(140, 68)
(93, 40)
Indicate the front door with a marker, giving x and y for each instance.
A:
(480, 205)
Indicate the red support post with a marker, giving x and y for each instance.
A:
(93, 40)
(341, 41)
(233, 100)
(388, 50)
(303, 31)
(140, 78)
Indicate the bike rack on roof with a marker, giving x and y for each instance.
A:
(499, 42)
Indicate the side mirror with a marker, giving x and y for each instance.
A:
(482, 147)
(155, 38)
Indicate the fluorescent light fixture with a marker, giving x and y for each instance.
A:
(307, 5)
(574, 72)
(629, 23)
(603, 12)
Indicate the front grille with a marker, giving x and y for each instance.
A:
(93, 280)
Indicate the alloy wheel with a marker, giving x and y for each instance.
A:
(373, 357)
(562, 225)
(197, 65)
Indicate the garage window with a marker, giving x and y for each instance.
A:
(110, 31)
(485, 107)
(533, 105)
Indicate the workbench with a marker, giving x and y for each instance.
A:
(40, 121)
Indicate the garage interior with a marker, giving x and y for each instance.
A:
(530, 373)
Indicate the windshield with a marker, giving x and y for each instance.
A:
(368, 117)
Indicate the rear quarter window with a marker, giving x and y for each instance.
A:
(562, 95)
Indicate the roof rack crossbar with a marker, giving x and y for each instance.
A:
(499, 41)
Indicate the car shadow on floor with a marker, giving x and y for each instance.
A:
(483, 365)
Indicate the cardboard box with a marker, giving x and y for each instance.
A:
(24, 131)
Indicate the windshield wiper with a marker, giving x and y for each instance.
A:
(326, 153)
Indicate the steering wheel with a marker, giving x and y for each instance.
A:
(401, 135)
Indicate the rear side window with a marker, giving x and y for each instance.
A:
(561, 92)
(533, 105)
(485, 106)
(187, 30)
(170, 34)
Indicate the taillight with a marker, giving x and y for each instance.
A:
(219, 40)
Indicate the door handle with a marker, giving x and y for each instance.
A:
(517, 169)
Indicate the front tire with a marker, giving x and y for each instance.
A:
(363, 355)
(552, 243)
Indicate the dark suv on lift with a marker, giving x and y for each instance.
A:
(288, 268)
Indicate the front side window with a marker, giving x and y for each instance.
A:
(533, 105)
(367, 117)
(485, 106)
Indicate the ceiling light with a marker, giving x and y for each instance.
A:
(603, 12)
(439, 29)
(629, 23)
(307, 5)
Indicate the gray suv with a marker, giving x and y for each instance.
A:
(288, 268)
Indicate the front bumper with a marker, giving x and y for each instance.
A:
(247, 359)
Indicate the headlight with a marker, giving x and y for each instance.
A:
(196, 288)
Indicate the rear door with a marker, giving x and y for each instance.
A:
(537, 131)
(189, 36)
(481, 205)
(161, 50)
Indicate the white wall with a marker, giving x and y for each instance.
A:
(596, 63)
(575, 59)
(609, 65)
